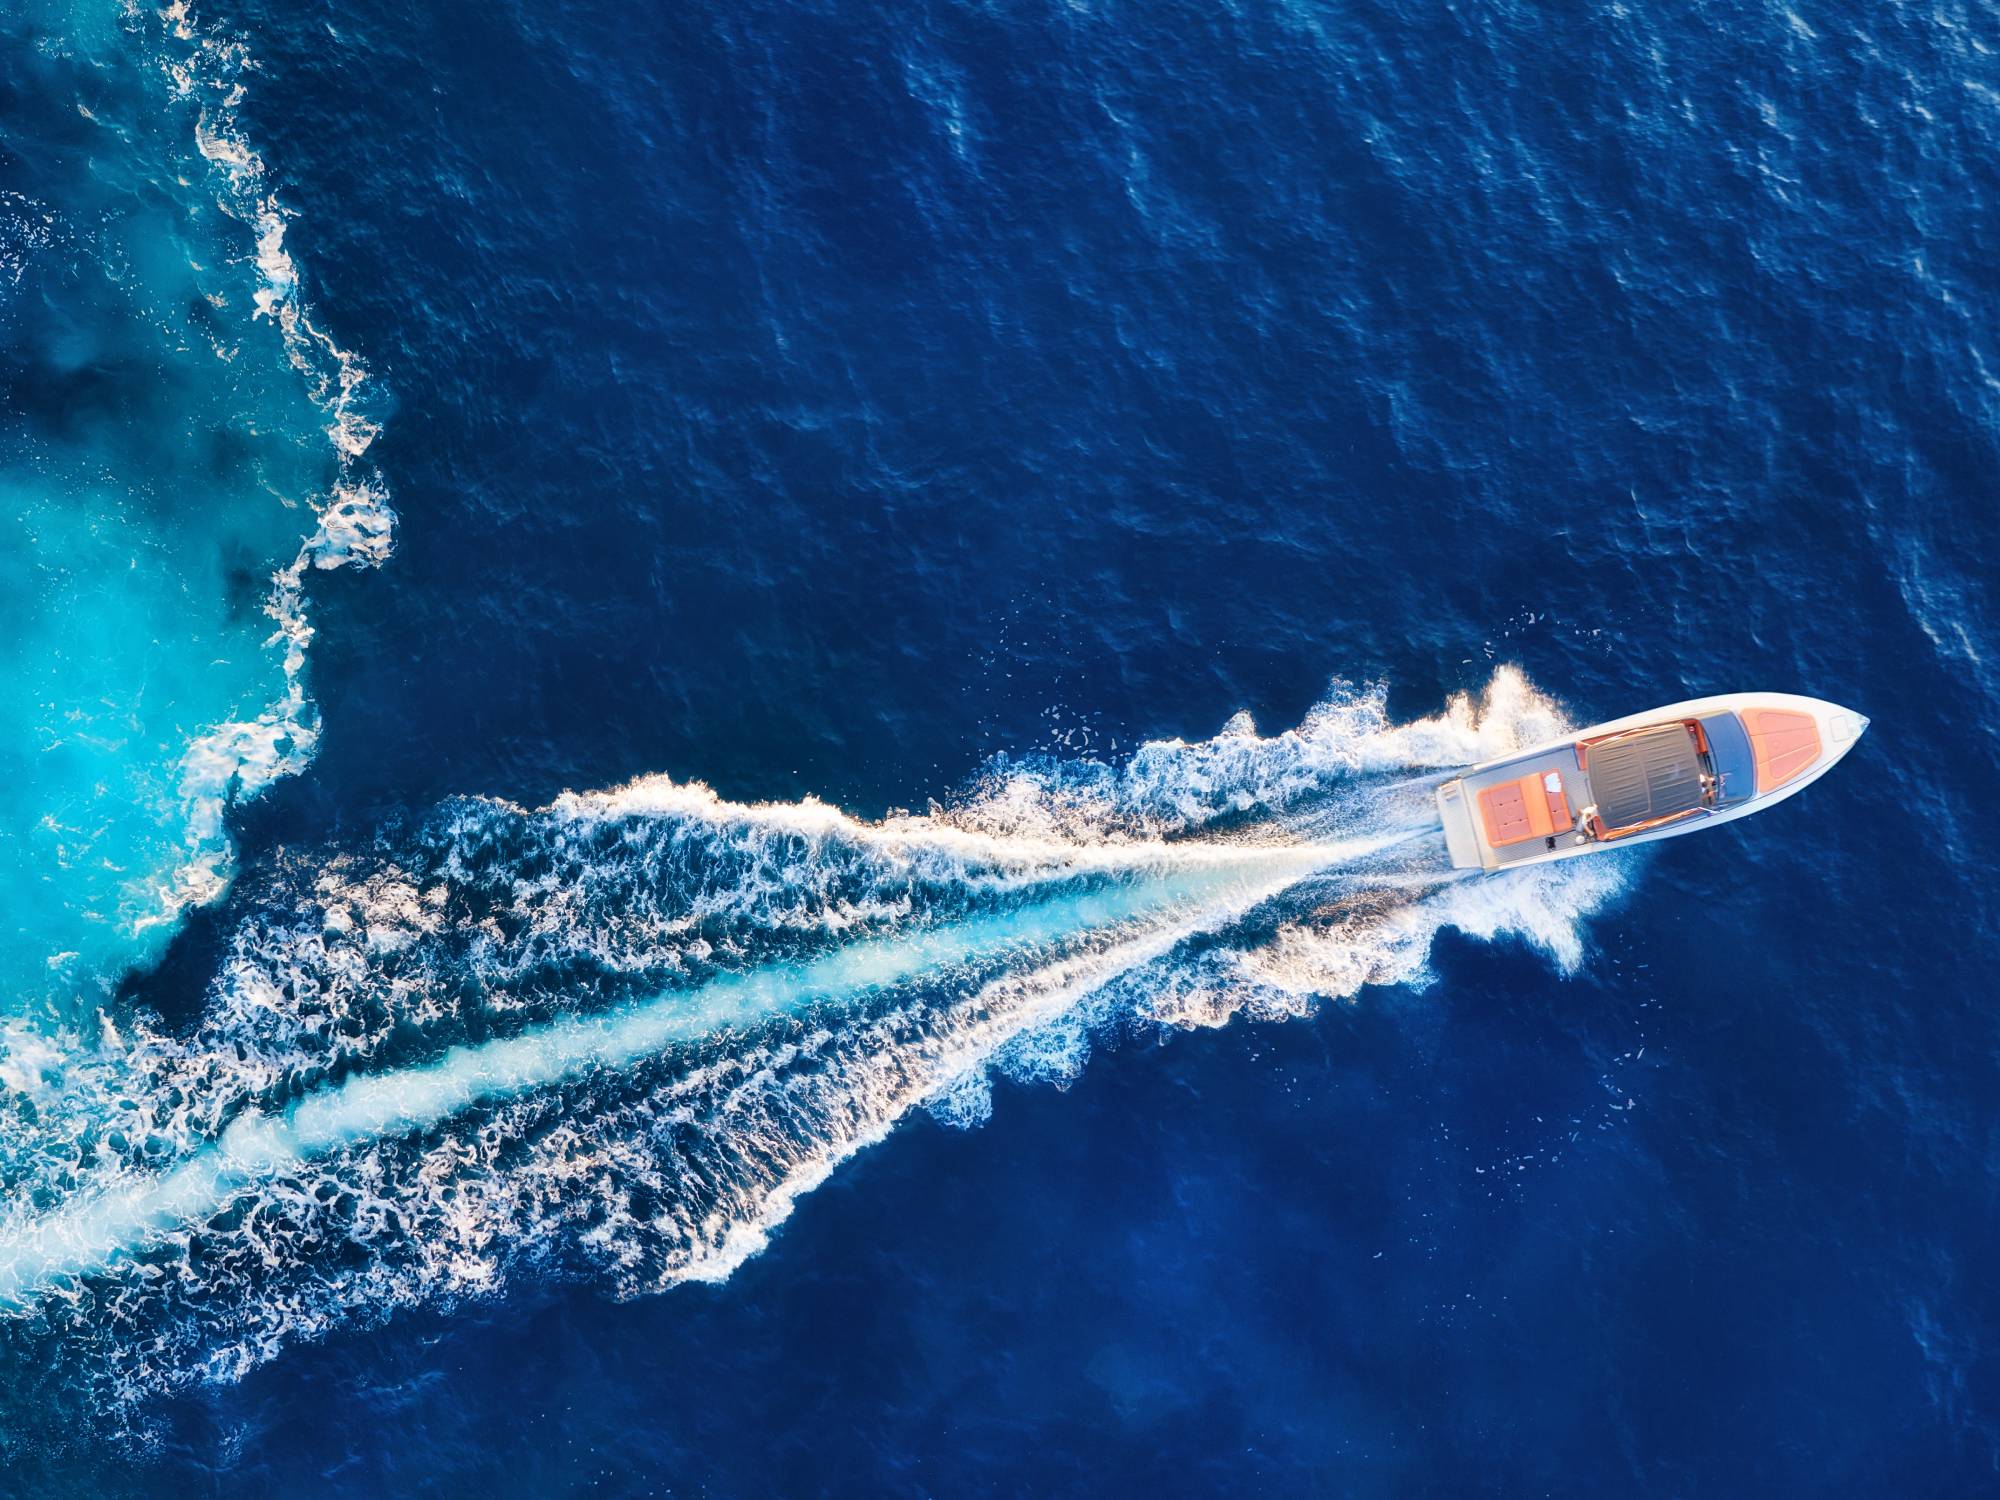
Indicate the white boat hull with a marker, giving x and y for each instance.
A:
(1475, 843)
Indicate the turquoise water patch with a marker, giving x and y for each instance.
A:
(163, 452)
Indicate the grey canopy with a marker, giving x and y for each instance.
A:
(1652, 774)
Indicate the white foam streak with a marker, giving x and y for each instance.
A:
(94, 1233)
(701, 1008)
(355, 525)
(1170, 786)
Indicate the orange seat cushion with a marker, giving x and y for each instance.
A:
(1527, 808)
(1504, 810)
(1786, 743)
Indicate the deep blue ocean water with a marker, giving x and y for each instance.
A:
(878, 405)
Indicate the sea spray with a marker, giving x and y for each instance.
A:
(118, 1220)
(619, 1037)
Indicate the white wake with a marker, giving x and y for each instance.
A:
(618, 1037)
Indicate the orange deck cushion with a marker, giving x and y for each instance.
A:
(1785, 742)
(1524, 809)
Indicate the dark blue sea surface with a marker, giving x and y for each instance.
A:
(805, 406)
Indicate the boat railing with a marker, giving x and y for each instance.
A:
(1594, 825)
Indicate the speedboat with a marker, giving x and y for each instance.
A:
(1650, 776)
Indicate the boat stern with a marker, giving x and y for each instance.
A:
(1455, 812)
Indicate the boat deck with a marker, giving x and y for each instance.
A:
(1574, 795)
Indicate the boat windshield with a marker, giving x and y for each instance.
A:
(1731, 759)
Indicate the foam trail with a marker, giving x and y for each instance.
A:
(114, 1223)
(703, 1008)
